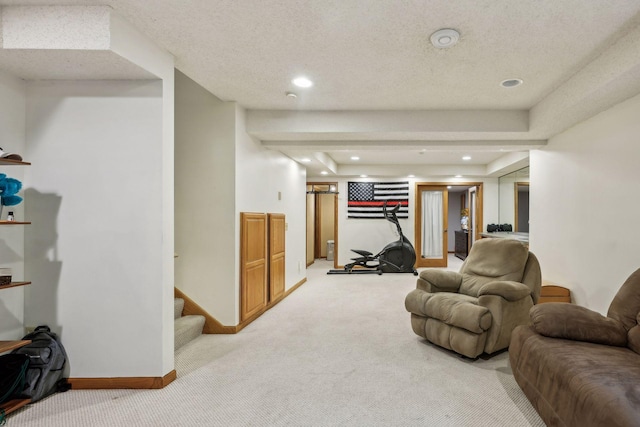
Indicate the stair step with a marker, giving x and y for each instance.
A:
(187, 328)
(178, 306)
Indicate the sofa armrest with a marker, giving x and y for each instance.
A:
(439, 281)
(573, 322)
(509, 290)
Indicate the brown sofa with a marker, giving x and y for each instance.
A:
(579, 368)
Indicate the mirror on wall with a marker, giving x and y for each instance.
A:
(513, 200)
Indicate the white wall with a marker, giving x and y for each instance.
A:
(262, 174)
(95, 248)
(100, 192)
(12, 138)
(205, 199)
(220, 172)
(373, 235)
(507, 201)
(584, 221)
(128, 42)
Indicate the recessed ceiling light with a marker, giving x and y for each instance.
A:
(291, 95)
(324, 173)
(445, 38)
(411, 176)
(302, 82)
(305, 160)
(466, 158)
(363, 176)
(355, 158)
(511, 83)
(458, 176)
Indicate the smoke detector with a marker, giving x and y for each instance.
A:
(445, 38)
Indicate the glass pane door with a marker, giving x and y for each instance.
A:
(432, 223)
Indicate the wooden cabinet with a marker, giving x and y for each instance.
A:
(276, 256)
(262, 261)
(253, 262)
(462, 244)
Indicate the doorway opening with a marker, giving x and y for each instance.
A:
(322, 221)
(521, 208)
(439, 226)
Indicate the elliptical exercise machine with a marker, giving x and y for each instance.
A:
(396, 257)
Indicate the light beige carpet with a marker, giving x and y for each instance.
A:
(339, 351)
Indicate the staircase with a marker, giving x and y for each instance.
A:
(187, 328)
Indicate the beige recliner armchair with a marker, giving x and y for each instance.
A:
(475, 310)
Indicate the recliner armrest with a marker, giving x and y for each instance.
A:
(509, 290)
(573, 322)
(439, 281)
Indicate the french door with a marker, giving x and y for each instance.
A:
(431, 225)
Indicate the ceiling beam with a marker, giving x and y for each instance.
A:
(269, 125)
(461, 145)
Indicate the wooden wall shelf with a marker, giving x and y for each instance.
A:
(9, 162)
(12, 345)
(14, 284)
(14, 405)
(5, 346)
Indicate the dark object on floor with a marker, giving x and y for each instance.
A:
(579, 368)
(475, 310)
(396, 257)
(47, 359)
(492, 228)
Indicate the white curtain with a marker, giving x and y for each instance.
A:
(432, 224)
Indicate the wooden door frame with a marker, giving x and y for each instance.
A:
(418, 210)
(316, 219)
(420, 262)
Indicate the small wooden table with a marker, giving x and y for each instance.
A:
(553, 293)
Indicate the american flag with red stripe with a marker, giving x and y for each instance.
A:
(366, 199)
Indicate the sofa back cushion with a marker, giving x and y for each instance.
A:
(492, 259)
(625, 308)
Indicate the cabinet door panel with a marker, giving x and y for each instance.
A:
(253, 264)
(276, 255)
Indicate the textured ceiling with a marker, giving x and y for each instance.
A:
(376, 55)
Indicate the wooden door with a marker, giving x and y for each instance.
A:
(311, 228)
(325, 222)
(431, 225)
(253, 264)
(276, 255)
